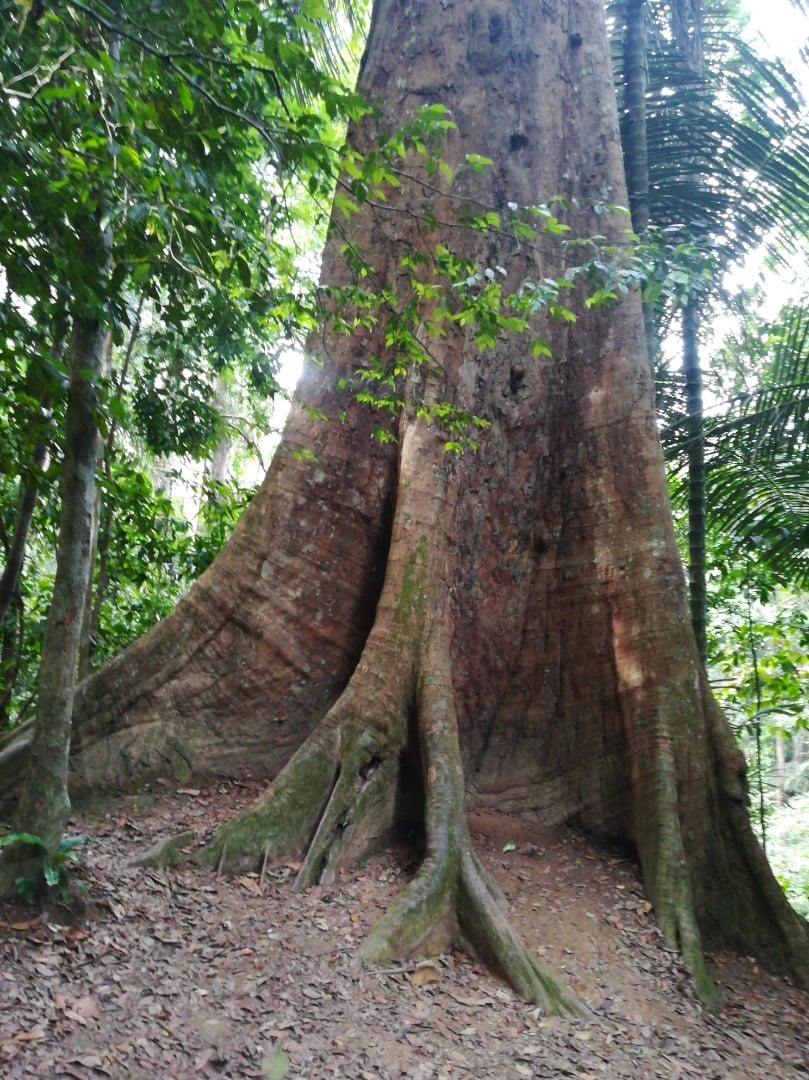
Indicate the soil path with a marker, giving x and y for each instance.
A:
(180, 974)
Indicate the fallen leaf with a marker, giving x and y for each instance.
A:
(21, 926)
(88, 1008)
(249, 883)
(426, 971)
(30, 1036)
(275, 1064)
(89, 1061)
(188, 791)
(201, 1060)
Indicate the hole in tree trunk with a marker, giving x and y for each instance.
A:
(409, 815)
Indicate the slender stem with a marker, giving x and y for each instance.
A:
(758, 714)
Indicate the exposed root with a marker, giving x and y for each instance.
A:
(670, 884)
(451, 896)
(360, 810)
(170, 851)
(484, 924)
(331, 803)
(283, 819)
(456, 900)
(337, 799)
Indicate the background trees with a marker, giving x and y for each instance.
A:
(201, 146)
(148, 169)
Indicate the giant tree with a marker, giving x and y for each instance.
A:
(401, 629)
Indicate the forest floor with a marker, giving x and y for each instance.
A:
(179, 973)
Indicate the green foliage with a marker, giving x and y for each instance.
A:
(788, 851)
(726, 137)
(156, 159)
(56, 870)
(758, 643)
(439, 287)
(756, 450)
(156, 174)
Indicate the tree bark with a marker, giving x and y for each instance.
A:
(15, 556)
(403, 629)
(10, 597)
(44, 804)
(697, 559)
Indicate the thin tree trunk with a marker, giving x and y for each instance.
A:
(697, 563)
(686, 21)
(11, 630)
(633, 125)
(12, 639)
(104, 513)
(779, 779)
(15, 556)
(87, 634)
(44, 803)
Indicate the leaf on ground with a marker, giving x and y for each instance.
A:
(426, 971)
(250, 883)
(30, 1036)
(201, 1060)
(88, 1008)
(275, 1064)
(89, 1061)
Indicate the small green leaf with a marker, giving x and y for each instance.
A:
(186, 100)
(20, 838)
(478, 162)
(276, 1064)
(243, 270)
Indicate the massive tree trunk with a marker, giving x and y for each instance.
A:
(406, 628)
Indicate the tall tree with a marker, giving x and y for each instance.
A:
(403, 629)
(44, 805)
(715, 145)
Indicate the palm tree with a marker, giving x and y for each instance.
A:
(715, 143)
(757, 448)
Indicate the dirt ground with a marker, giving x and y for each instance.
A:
(178, 973)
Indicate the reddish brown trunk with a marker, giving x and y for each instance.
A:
(519, 612)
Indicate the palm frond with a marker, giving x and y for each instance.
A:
(757, 451)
